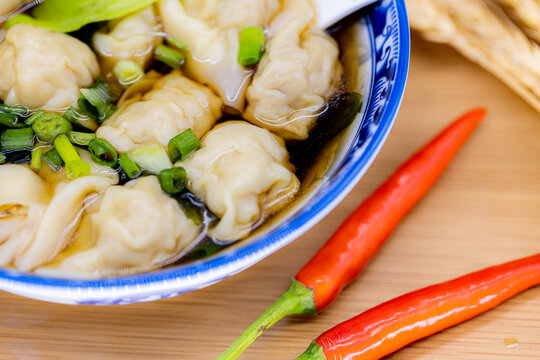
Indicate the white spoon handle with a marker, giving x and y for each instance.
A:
(330, 12)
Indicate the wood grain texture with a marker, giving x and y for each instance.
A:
(483, 211)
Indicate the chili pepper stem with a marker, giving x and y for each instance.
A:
(314, 352)
(297, 300)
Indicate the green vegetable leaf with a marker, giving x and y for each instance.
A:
(70, 15)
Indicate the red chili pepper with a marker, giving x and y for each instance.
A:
(394, 324)
(357, 240)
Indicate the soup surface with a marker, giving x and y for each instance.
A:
(161, 131)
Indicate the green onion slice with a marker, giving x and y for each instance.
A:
(78, 168)
(3, 158)
(130, 168)
(177, 44)
(76, 117)
(183, 145)
(32, 119)
(173, 181)
(65, 149)
(252, 46)
(100, 93)
(52, 157)
(35, 160)
(14, 109)
(169, 56)
(152, 158)
(128, 72)
(48, 126)
(102, 152)
(17, 140)
(10, 120)
(80, 138)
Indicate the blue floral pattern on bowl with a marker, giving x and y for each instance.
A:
(389, 33)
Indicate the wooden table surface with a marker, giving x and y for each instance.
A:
(483, 211)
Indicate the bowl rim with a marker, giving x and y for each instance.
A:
(176, 280)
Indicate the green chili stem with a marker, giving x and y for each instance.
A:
(314, 352)
(298, 299)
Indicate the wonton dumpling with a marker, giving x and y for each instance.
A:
(174, 104)
(131, 38)
(23, 199)
(233, 13)
(8, 6)
(137, 226)
(60, 219)
(43, 68)
(294, 80)
(213, 51)
(243, 174)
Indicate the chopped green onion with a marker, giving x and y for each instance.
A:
(35, 161)
(52, 157)
(14, 109)
(100, 112)
(3, 158)
(49, 125)
(169, 56)
(10, 120)
(105, 111)
(128, 72)
(100, 93)
(183, 145)
(177, 44)
(17, 140)
(173, 181)
(96, 101)
(76, 117)
(80, 138)
(252, 44)
(75, 166)
(65, 149)
(78, 168)
(130, 168)
(102, 152)
(32, 119)
(87, 108)
(152, 158)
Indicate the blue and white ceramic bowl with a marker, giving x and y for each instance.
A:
(381, 48)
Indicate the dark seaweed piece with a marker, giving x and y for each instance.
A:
(19, 157)
(85, 33)
(340, 113)
(204, 250)
(195, 209)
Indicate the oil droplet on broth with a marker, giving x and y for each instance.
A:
(511, 342)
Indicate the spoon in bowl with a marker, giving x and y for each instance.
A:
(330, 12)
